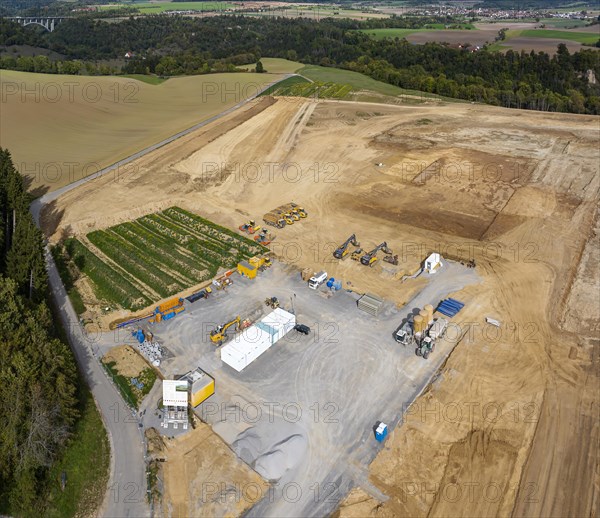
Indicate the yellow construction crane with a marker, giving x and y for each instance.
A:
(218, 335)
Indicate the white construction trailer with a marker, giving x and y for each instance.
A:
(432, 263)
(242, 350)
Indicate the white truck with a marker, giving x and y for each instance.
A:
(316, 280)
(404, 335)
(438, 328)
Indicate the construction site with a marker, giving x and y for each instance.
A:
(381, 270)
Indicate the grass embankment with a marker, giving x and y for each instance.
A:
(129, 387)
(85, 463)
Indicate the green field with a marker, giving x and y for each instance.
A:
(581, 37)
(300, 87)
(276, 65)
(380, 34)
(157, 256)
(148, 79)
(161, 7)
(357, 81)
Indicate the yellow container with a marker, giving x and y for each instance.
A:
(247, 269)
(202, 387)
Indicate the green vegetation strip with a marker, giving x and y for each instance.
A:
(357, 81)
(85, 463)
(161, 7)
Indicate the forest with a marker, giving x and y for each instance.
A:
(178, 45)
(38, 375)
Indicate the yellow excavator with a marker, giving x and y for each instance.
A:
(218, 335)
(342, 251)
(370, 258)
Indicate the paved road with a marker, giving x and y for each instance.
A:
(126, 492)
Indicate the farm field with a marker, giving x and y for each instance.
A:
(520, 36)
(136, 263)
(277, 65)
(517, 189)
(379, 34)
(81, 124)
(580, 37)
(161, 7)
(356, 81)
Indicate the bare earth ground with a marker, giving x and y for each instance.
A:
(203, 475)
(547, 45)
(128, 362)
(510, 425)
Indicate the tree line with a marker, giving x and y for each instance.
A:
(176, 45)
(38, 375)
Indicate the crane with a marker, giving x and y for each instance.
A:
(370, 258)
(219, 334)
(342, 250)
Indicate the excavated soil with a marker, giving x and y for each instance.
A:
(510, 426)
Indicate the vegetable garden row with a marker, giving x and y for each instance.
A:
(157, 256)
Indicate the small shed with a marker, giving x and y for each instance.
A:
(432, 263)
(370, 304)
(247, 270)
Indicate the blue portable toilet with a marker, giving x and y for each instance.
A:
(381, 432)
(139, 335)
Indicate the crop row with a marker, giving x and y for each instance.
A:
(110, 285)
(135, 262)
(209, 253)
(317, 89)
(248, 246)
(162, 251)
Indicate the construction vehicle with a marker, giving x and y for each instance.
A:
(261, 263)
(342, 251)
(250, 227)
(218, 335)
(357, 254)
(405, 335)
(426, 347)
(316, 280)
(370, 258)
(272, 302)
(202, 294)
(392, 259)
(264, 238)
(222, 282)
(275, 220)
(438, 328)
(301, 212)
